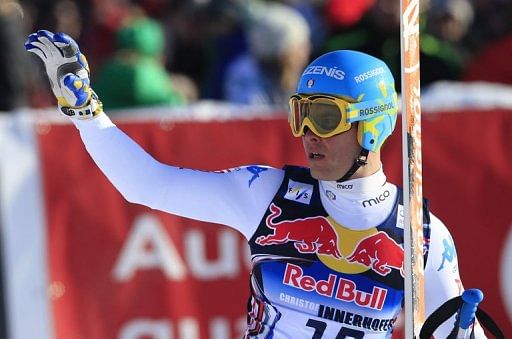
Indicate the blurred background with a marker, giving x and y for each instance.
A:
(205, 84)
(175, 52)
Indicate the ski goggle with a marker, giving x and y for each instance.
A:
(328, 115)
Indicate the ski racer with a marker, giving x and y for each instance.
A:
(326, 241)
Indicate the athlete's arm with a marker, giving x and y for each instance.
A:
(442, 279)
(237, 198)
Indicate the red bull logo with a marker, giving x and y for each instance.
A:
(380, 253)
(309, 235)
(338, 288)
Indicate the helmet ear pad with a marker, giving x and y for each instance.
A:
(372, 133)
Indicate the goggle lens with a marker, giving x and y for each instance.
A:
(323, 115)
(298, 114)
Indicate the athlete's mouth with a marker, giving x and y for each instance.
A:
(314, 156)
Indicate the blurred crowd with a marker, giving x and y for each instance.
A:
(176, 52)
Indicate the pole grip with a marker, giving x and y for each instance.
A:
(471, 299)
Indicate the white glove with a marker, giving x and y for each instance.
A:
(68, 72)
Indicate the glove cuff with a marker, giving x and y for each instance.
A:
(89, 111)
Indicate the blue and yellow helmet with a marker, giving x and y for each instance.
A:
(361, 79)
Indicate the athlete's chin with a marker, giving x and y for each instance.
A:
(322, 174)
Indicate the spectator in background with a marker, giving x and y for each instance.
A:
(492, 19)
(135, 75)
(104, 18)
(447, 23)
(13, 63)
(374, 29)
(378, 33)
(208, 40)
(493, 63)
(338, 14)
(206, 37)
(312, 11)
(68, 18)
(279, 48)
(187, 40)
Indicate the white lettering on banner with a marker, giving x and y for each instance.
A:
(186, 328)
(154, 329)
(136, 254)
(220, 328)
(148, 246)
(227, 263)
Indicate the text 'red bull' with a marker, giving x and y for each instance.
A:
(309, 235)
(341, 289)
(380, 253)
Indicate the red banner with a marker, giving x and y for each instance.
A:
(121, 270)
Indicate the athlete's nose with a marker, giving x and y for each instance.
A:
(310, 135)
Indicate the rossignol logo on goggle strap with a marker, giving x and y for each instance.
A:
(375, 109)
(332, 72)
(362, 110)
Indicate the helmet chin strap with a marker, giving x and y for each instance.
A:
(361, 160)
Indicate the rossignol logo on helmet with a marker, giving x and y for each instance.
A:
(370, 74)
(332, 72)
(364, 112)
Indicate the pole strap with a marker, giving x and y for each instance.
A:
(451, 307)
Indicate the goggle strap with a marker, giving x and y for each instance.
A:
(373, 108)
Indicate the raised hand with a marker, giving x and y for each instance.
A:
(68, 72)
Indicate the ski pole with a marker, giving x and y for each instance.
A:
(471, 298)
